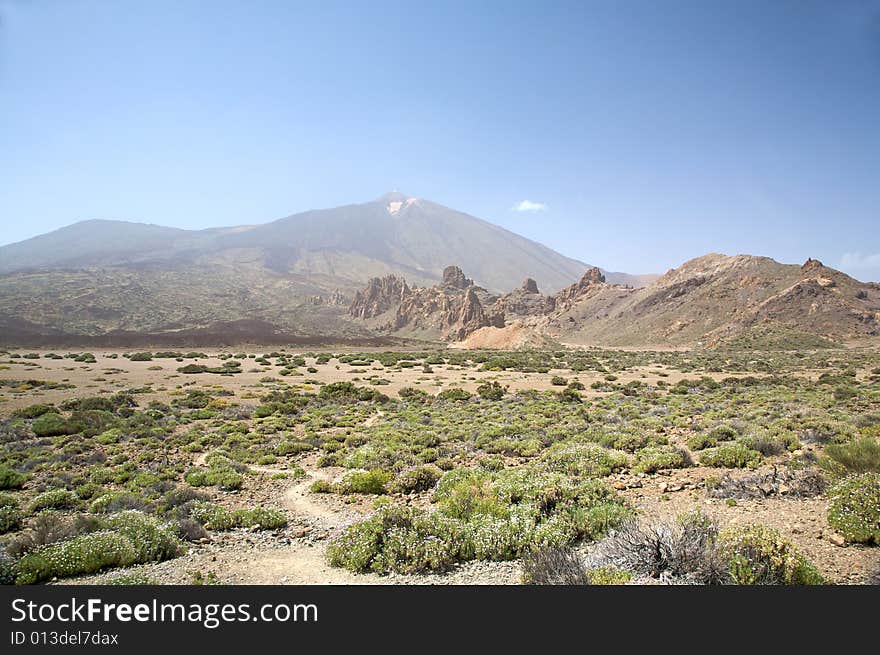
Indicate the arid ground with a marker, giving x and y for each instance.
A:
(249, 464)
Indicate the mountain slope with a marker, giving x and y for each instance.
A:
(297, 273)
(345, 245)
(719, 299)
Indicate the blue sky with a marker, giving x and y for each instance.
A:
(641, 134)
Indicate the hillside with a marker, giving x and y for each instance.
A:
(715, 300)
(297, 274)
(343, 246)
(719, 299)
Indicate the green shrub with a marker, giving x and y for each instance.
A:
(755, 555)
(321, 487)
(193, 369)
(702, 441)
(608, 575)
(86, 553)
(416, 479)
(215, 517)
(152, 541)
(855, 508)
(655, 458)
(52, 424)
(723, 433)
(34, 411)
(731, 455)
(10, 519)
(491, 391)
(10, 478)
(401, 539)
(53, 499)
(861, 455)
(558, 381)
(454, 395)
(584, 460)
(411, 394)
(364, 482)
(263, 518)
(211, 516)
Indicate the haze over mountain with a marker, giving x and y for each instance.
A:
(99, 277)
(395, 233)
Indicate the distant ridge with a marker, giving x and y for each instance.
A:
(297, 274)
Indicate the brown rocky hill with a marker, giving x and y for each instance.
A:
(719, 299)
(714, 300)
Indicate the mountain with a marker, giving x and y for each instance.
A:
(715, 300)
(393, 234)
(297, 273)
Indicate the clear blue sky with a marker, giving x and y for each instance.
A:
(649, 132)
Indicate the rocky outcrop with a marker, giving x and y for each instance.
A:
(452, 309)
(529, 286)
(588, 283)
(811, 265)
(380, 295)
(334, 299)
(454, 277)
(525, 301)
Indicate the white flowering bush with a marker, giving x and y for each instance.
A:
(86, 553)
(53, 499)
(153, 541)
(756, 555)
(584, 460)
(10, 519)
(215, 517)
(480, 515)
(855, 508)
(123, 539)
(397, 538)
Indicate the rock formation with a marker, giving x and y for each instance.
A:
(380, 295)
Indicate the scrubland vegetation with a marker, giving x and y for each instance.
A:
(443, 458)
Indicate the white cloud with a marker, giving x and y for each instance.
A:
(529, 206)
(861, 266)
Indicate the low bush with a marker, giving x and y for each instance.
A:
(454, 395)
(374, 481)
(260, 518)
(491, 391)
(861, 455)
(53, 499)
(854, 510)
(86, 553)
(415, 480)
(10, 519)
(584, 460)
(396, 538)
(655, 458)
(732, 455)
(758, 555)
(153, 541)
(34, 411)
(53, 424)
(215, 517)
(10, 478)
